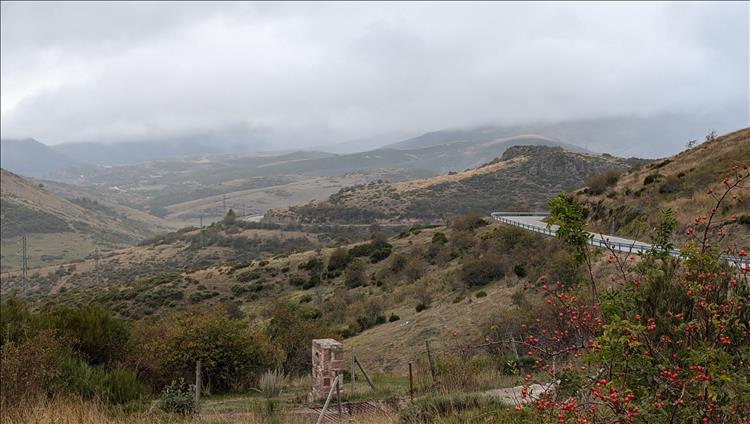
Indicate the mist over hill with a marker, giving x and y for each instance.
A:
(31, 158)
(642, 136)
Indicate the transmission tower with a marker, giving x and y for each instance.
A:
(202, 245)
(24, 265)
(97, 268)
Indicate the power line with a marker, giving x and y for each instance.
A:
(24, 264)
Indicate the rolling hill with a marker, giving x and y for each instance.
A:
(31, 158)
(623, 135)
(59, 229)
(522, 179)
(182, 189)
(631, 206)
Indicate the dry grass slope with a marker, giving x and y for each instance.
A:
(523, 179)
(681, 182)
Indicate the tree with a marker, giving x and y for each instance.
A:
(569, 215)
(230, 218)
(293, 331)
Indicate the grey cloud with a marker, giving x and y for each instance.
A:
(318, 73)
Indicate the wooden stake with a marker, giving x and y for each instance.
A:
(198, 381)
(328, 400)
(411, 384)
(367, 377)
(429, 359)
(353, 376)
(338, 394)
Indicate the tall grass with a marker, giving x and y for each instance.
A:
(271, 383)
(79, 411)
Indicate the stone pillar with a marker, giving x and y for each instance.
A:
(327, 359)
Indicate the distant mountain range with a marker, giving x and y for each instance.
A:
(644, 135)
(610, 135)
(33, 159)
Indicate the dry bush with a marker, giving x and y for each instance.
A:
(480, 271)
(462, 240)
(29, 368)
(457, 372)
(415, 269)
(468, 222)
(597, 184)
(271, 383)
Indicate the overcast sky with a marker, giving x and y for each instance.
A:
(337, 71)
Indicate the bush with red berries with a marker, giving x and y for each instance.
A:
(665, 339)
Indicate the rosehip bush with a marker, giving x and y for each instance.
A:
(666, 339)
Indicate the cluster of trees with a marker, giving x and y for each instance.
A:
(86, 351)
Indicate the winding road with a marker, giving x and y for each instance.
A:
(534, 221)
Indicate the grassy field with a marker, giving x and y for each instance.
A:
(45, 249)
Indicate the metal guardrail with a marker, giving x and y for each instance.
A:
(602, 241)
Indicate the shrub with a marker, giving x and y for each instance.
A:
(469, 221)
(296, 280)
(114, 386)
(354, 275)
(247, 276)
(292, 328)
(421, 307)
(518, 298)
(381, 253)
(649, 179)
(670, 185)
(232, 354)
(462, 240)
(481, 293)
(667, 340)
(398, 263)
(29, 368)
(360, 250)
(314, 265)
(312, 282)
(415, 269)
(94, 332)
(439, 238)
(431, 409)
(393, 318)
(597, 184)
(483, 270)
(178, 398)
(338, 260)
(271, 383)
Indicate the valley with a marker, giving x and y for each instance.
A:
(248, 212)
(386, 260)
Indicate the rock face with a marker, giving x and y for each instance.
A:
(327, 362)
(522, 179)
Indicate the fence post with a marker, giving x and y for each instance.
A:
(338, 392)
(198, 381)
(328, 400)
(429, 359)
(353, 376)
(367, 377)
(411, 384)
